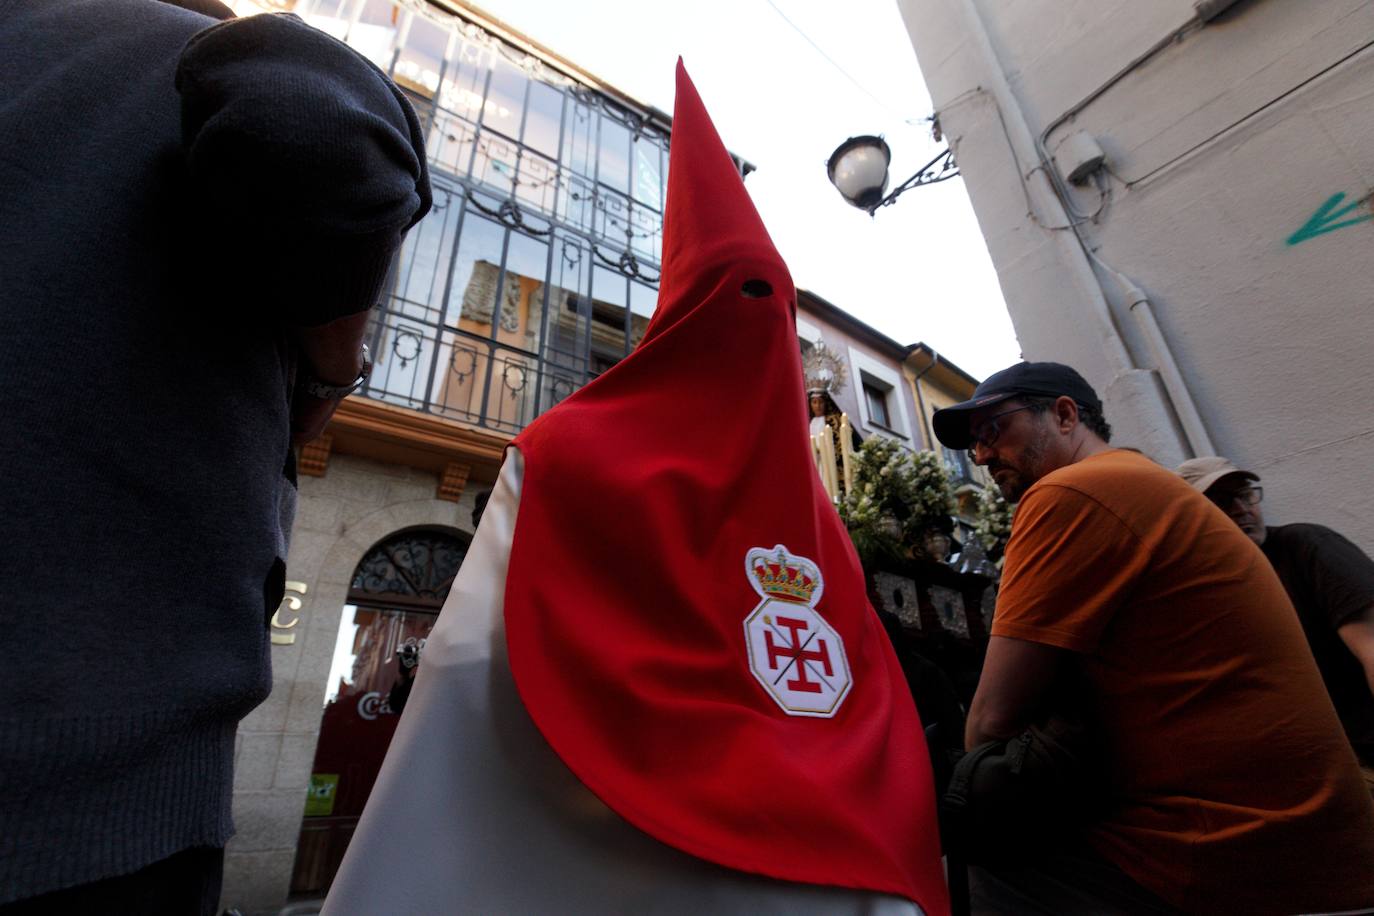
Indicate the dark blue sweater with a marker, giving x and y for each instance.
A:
(167, 217)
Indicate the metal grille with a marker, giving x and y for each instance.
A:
(416, 565)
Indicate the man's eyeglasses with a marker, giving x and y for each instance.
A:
(1246, 496)
(988, 431)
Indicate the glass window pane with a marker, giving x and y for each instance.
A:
(609, 296)
(495, 161)
(464, 361)
(536, 182)
(576, 198)
(476, 275)
(522, 292)
(667, 164)
(648, 173)
(465, 80)
(422, 268)
(569, 303)
(543, 118)
(611, 217)
(422, 56)
(450, 143)
(579, 137)
(957, 462)
(877, 405)
(462, 376)
(374, 34)
(369, 686)
(613, 160)
(569, 313)
(366, 649)
(643, 301)
(497, 158)
(646, 232)
(511, 392)
(329, 16)
(403, 354)
(505, 104)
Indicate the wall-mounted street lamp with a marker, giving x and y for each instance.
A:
(858, 168)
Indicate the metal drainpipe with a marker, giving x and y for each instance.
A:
(927, 434)
(1185, 407)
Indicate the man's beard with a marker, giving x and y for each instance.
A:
(1030, 467)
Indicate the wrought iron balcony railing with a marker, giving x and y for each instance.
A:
(462, 376)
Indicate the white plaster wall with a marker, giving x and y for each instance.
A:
(1225, 144)
(341, 515)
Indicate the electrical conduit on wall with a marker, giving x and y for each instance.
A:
(1078, 258)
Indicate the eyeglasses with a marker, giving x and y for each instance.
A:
(988, 431)
(1246, 496)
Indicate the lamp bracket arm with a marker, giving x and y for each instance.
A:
(941, 168)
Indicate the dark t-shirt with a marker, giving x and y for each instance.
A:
(1330, 581)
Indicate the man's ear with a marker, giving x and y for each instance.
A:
(1065, 413)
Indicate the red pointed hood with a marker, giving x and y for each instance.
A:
(710, 222)
(686, 617)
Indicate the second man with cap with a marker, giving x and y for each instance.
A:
(1330, 582)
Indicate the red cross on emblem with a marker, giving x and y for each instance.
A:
(797, 652)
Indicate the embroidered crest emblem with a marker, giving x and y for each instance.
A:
(793, 652)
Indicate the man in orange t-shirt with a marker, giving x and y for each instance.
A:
(1230, 786)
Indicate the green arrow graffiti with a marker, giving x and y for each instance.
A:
(1328, 219)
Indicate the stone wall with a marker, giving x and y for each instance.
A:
(341, 515)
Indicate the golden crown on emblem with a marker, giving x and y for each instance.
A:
(783, 575)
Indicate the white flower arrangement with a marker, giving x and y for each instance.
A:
(993, 526)
(896, 493)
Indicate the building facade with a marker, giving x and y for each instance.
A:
(893, 389)
(1176, 196)
(876, 396)
(936, 382)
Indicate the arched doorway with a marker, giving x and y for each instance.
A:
(393, 600)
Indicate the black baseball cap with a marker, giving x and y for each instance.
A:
(1036, 379)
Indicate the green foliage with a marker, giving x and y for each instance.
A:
(896, 494)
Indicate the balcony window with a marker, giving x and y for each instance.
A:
(537, 267)
(957, 462)
(877, 405)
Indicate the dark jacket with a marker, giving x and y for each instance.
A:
(166, 219)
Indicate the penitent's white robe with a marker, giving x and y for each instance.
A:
(473, 812)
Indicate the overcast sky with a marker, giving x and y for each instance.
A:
(919, 271)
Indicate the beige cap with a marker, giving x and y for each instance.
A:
(1201, 473)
